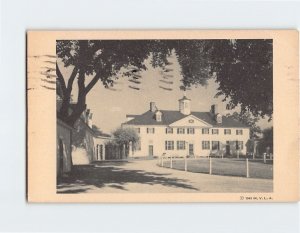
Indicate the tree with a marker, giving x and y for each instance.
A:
(248, 119)
(266, 141)
(242, 68)
(99, 60)
(244, 71)
(125, 137)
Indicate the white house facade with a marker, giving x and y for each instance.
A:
(186, 133)
(94, 141)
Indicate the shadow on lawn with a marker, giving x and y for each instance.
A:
(111, 175)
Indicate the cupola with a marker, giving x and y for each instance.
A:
(185, 105)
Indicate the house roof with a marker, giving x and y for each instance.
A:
(131, 115)
(169, 117)
(101, 134)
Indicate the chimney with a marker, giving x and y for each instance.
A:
(89, 117)
(216, 115)
(87, 113)
(152, 107)
(214, 109)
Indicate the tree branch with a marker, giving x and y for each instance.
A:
(92, 83)
(71, 79)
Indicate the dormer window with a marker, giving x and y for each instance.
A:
(219, 119)
(158, 115)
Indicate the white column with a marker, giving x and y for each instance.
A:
(103, 151)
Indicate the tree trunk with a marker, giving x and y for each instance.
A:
(82, 89)
(81, 105)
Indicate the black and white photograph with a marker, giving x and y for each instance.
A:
(163, 116)
(149, 116)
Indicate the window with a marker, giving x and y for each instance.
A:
(158, 116)
(150, 130)
(180, 145)
(239, 145)
(169, 145)
(190, 131)
(239, 132)
(227, 131)
(215, 131)
(219, 119)
(101, 151)
(205, 145)
(138, 130)
(180, 131)
(215, 145)
(169, 130)
(205, 131)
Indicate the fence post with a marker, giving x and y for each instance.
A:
(247, 168)
(238, 154)
(171, 162)
(265, 157)
(210, 168)
(185, 163)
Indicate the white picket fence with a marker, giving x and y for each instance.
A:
(169, 161)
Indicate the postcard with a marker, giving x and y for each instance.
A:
(162, 116)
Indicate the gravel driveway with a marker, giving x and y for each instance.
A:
(146, 177)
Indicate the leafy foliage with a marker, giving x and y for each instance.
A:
(123, 136)
(244, 71)
(242, 68)
(248, 119)
(266, 141)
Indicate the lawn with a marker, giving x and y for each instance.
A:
(225, 167)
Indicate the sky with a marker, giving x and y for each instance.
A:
(110, 106)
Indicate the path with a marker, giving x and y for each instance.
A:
(146, 177)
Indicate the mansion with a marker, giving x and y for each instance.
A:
(186, 133)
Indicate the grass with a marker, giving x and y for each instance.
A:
(225, 167)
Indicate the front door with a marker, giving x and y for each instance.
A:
(191, 149)
(227, 149)
(150, 150)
